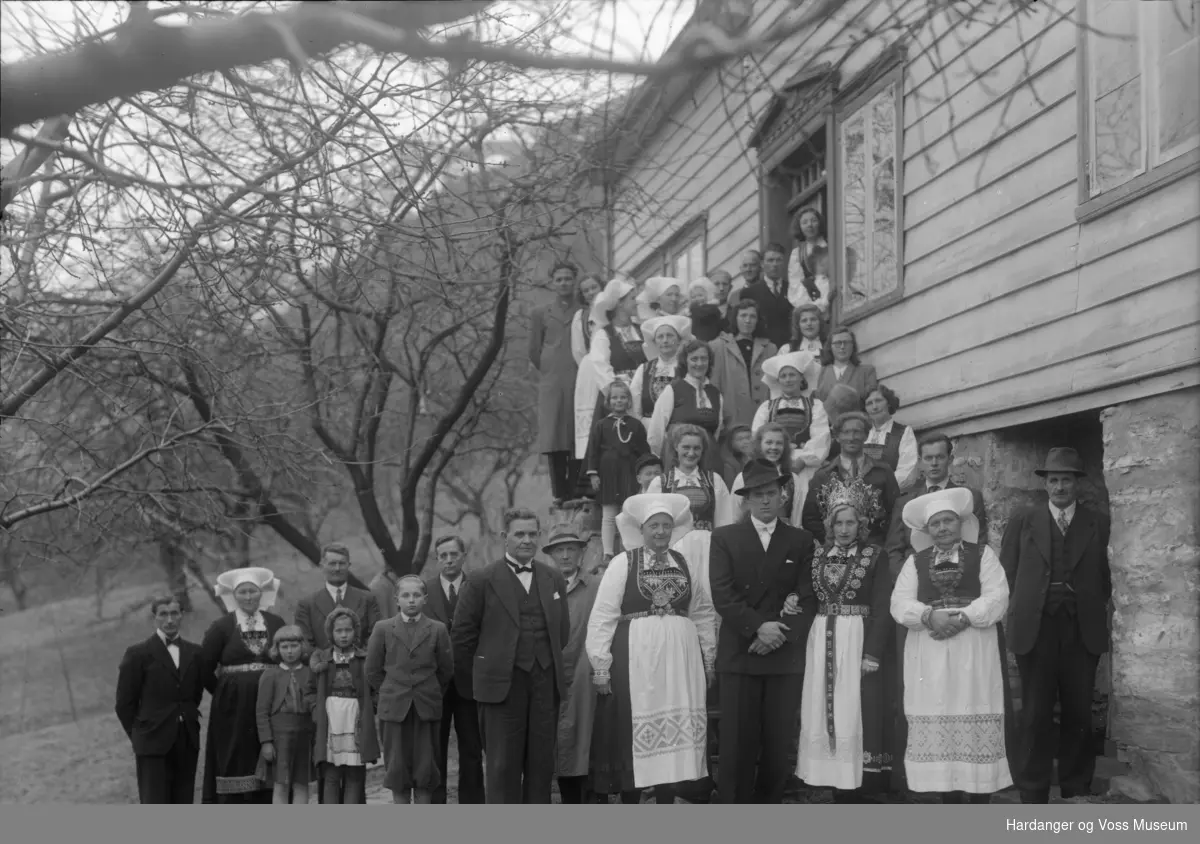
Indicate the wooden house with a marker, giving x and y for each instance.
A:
(1013, 188)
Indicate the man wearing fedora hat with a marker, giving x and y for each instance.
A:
(753, 566)
(1056, 559)
(577, 711)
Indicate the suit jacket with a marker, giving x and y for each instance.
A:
(774, 311)
(487, 626)
(154, 698)
(409, 666)
(1025, 554)
(312, 611)
(749, 587)
(899, 540)
(861, 377)
(437, 606)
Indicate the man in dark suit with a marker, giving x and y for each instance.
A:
(771, 293)
(312, 611)
(753, 566)
(457, 709)
(1056, 557)
(935, 453)
(510, 628)
(159, 687)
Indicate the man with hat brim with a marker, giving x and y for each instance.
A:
(753, 566)
(1056, 557)
(577, 711)
(852, 463)
(952, 595)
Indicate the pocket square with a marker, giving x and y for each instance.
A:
(556, 596)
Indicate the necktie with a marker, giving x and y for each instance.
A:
(172, 640)
(340, 595)
(935, 488)
(520, 569)
(451, 602)
(1063, 524)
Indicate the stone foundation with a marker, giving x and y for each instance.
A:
(1151, 455)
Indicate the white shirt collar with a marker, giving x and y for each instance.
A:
(333, 590)
(682, 474)
(698, 383)
(405, 619)
(513, 560)
(885, 428)
(845, 461)
(944, 483)
(247, 622)
(1069, 512)
(764, 527)
(840, 368)
(163, 637)
(447, 582)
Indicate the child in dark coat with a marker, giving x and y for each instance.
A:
(615, 444)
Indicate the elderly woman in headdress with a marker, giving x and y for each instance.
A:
(791, 380)
(951, 596)
(661, 296)
(652, 644)
(615, 352)
(235, 648)
(664, 337)
(846, 734)
(808, 265)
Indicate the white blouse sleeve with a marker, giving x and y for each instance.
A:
(817, 448)
(606, 614)
(737, 484)
(635, 387)
(720, 408)
(726, 511)
(906, 609)
(907, 464)
(601, 357)
(656, 431)
(762, 415)
(991, 605)
(703, 614)
(578, 344)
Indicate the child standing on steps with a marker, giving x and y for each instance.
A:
(409, 667)
(344, 710)
(615, 444)
(284, 717)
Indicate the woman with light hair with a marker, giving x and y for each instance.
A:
(847, 729)
(236, 649)
(616, 353)
(951, 595)
(651, 641)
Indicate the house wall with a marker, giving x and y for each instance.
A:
(1012, 310)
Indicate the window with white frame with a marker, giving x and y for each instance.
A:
(682, 257)
(868, 198)
(1142, 63)
(686, 262)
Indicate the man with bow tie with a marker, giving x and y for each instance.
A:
(1055, 554)
(312, 611)
(753, 566)
(159, 687)
(457, 709)
(510, 628)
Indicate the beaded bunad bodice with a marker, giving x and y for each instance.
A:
(655, 587)
(703, 498)
(838, 576)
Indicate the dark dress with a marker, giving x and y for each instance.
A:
(703, 498)
(624, 358)
(688, 412)
(655, 377)
(231, 751)
(614, 446)
(796, 421)
(612, 730)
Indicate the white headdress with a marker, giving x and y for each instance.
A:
(264, 579)
(639, 508)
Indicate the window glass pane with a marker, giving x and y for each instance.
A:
(1178, 55)
(854, 207)
(1114, 45)
(1118, 128)
(884, 275)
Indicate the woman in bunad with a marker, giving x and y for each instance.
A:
(651, 641)
(616, 352)
(808, 265)
(846, 721)
(951, 595)
(692, 399)
(235, 648)
(665, 336)
(889, 442)
(582, 325)
(791, 379)
(661, 296)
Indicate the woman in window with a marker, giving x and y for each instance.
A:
(616, 352)
(738, 364)
(843, 366)
(808, 266)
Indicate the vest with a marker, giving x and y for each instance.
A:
(789, 418)
(624, 357)
(533, 642)
(1058, 596)
(955, 586)
(686, 410)
(888, 452)
(654, 380)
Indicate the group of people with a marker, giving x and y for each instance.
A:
(792, 586)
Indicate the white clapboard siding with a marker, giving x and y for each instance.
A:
(1012, 309)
